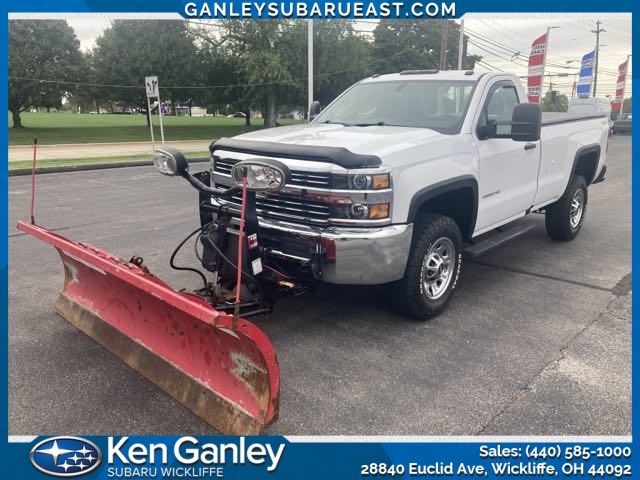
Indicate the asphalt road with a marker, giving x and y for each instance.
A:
(536, 341)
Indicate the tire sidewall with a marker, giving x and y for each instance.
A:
(579, 184)
(450, 231)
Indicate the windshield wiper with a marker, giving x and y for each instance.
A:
(333, 123)
(379, 124)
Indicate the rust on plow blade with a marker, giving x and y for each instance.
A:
(225, 372)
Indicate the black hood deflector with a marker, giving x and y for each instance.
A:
(336, 155)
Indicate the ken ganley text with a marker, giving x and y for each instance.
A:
(187, 457)
(328, 10)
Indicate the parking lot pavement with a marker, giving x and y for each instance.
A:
(536, 341)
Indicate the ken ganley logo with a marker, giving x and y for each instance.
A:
(65, 456)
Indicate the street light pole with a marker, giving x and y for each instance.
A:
(309, 64)
(597, 31)
(544, 61)
(460, 44)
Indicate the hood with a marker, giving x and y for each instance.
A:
(381, 141)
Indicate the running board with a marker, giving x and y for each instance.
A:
(477, 249)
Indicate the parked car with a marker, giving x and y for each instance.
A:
(622, 124)
(237, 115)
(595, 105)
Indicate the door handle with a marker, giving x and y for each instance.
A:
(530, 146)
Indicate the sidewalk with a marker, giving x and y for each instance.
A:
(88, 150)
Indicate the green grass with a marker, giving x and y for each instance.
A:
(65, 127)
(88, 161)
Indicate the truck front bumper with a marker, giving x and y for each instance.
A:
(356, 256)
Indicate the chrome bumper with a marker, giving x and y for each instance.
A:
(354, 256)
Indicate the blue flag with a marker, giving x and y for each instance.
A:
(586, 75)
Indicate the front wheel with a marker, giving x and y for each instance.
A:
(433, 268)
(564, 218)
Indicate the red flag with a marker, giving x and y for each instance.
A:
(536, 68)
(622, 80)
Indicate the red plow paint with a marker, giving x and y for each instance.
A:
(221, 367)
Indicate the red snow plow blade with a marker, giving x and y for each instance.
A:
(223, 370)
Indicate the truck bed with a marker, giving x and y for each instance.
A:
(552, 118)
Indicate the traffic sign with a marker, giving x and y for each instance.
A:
(152, 86)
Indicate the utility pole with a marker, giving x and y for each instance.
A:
(460, 44)
(309, 64)
(597, 31)
(443, 44)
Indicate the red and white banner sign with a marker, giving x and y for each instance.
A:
(536, 68)
(622, 80)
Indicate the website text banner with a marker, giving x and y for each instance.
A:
(276, 457)
(265, 9)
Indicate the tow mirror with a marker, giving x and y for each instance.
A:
(314, 109)
(489, 130)
(526, 122)
(170, 161)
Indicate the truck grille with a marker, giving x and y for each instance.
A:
(281, 206)
(298, 178)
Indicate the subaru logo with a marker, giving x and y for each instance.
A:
(65, 456)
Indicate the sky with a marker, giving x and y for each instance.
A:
(499, 37)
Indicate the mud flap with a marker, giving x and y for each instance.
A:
(224, 371)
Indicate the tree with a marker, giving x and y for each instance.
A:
(258, 52)
(131, 49)
(416, 44)
(626, 105)
(554, 101)
(269, 61)
(40, 50)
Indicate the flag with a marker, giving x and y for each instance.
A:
(586, 75)
(536, 68)
(622, 80)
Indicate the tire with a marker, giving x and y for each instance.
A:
(437, 242)
(564, 218)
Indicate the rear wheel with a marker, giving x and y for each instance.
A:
(564, 218)
(433, 268)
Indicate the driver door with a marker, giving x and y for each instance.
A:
(508, 170)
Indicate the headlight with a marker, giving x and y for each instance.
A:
(169, 161)
(261, 174)
(378, 181)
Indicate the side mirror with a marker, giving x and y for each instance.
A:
(489, 130)
(314, 109)
(526, 122)
(170, 161)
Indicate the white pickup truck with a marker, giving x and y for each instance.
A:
(404, 174)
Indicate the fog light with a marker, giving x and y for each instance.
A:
(359, 211)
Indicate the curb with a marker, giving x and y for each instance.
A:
(92, 166)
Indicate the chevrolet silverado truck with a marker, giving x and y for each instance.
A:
(402, 176)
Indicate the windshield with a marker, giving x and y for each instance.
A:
(434, 104)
